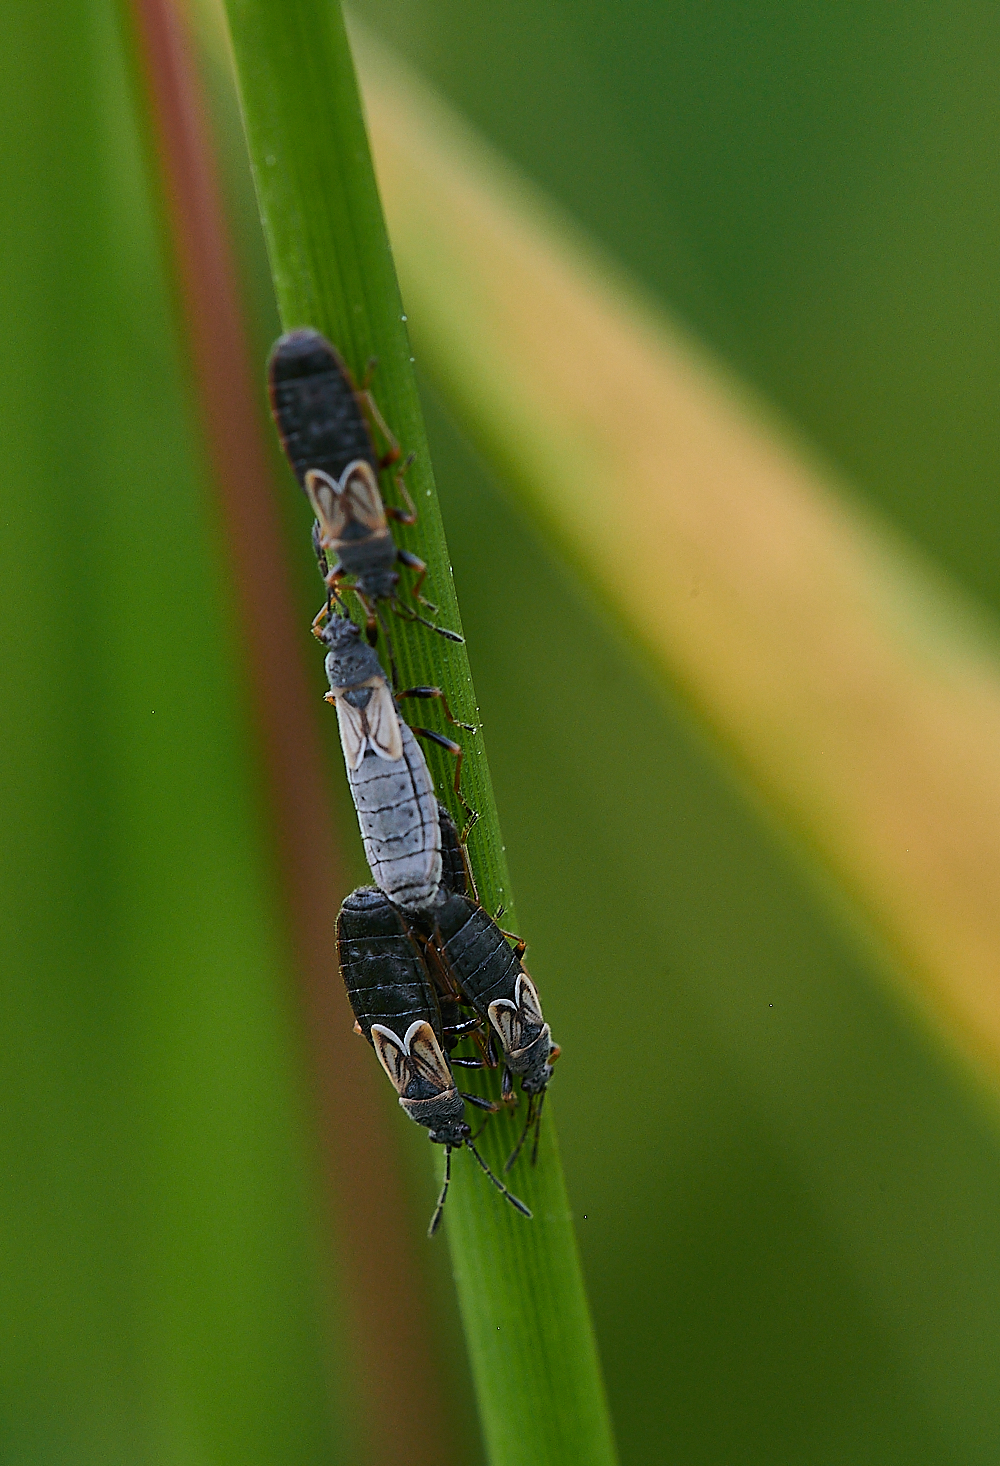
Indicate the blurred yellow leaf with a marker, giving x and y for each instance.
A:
(851, 684)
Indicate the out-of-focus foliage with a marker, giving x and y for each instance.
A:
(160, 1289)
(788, 1203)
(794, 1255)
(811, 186)
(786, 1200)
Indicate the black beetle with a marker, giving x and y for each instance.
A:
(321, 418)
(399, 1012)
(470, 957)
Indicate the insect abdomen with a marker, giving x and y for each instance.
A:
(384, 974)
(315, 407)
(475, 951)
(453, 876)
(398, 816)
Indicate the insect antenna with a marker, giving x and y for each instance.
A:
(436, 1218)
(534, 1118)
(517, 1204)
(538, 1127)
(523, 1136)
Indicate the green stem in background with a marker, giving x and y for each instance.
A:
(521, 1292)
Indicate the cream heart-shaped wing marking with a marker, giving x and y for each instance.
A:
(328, 505)
(362, 497)
(384, 733)
(526, 998)
(506, 1020)
(392, 1056)
(353, 726)
(426, 1056)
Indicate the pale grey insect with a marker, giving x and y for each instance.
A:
(390, 782)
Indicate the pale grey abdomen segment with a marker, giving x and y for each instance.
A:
(399, 823)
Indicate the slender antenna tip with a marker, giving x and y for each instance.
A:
(514, 1200)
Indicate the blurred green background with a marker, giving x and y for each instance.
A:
(788, 1199)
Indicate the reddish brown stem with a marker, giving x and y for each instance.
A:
(398, 1403)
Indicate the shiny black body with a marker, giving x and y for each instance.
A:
(474, 959)
(382, 968)
(398, 1011)
(384, 971)
(475, 952)
(316, 407)
(454, 876)
(324, 421)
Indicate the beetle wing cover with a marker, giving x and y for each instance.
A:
(383, 724)
(362, 496)
(507, 1021)
(329, 505)
(353, 732)
(526, 997)
(511, 1019)
(391, 1056)
(426, 1056)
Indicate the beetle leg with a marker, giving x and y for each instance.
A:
(468, 1026)
(319, 549)
(414, 562)
(508, 1095)
(435, 692)
(409, 614)
(409, 515)
(394, 452)
(450, 746)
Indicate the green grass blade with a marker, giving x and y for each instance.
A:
(520, 1287)
(158, 1299)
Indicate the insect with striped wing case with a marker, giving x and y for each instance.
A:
(399, 1012)
(390, 782)
(323, 420)
(470, 958)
